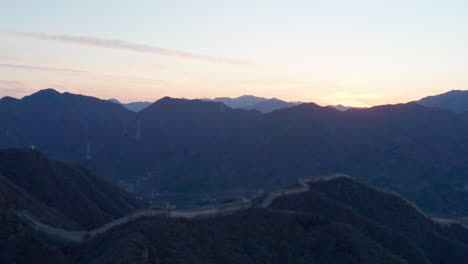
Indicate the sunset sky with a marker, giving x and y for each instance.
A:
(357, 53)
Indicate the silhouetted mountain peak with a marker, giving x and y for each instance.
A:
(44, 93)
(248, 96)
(8, 99)
(270, 105)
(341, 107)
(42, 97)
(185, 106)
(113, 100)
(239, 102)
(312, 107)
(454, 100)
(167, 99)
(61, 101)
(137, 106)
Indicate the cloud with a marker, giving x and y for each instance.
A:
(92, 74)
(123, 45)
(10, 58)
(10, 83)
(17, 66)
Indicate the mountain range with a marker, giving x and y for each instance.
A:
(250, 102)
(134, 106)
(247, 102)
(455, 101)
(337, 220)
(193, 148)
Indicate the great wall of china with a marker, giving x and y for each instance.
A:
(196, 213)
(200, 212)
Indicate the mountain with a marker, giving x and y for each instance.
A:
(335, 220)
(63, 125)
(19, 242)
(72, 190)
(189, 150)
(59, 194)
(239, 102)
(113, 100)
(455, 100)
(134, 106)
(270, 105)
(254, 236)
(14, 197)
(137, 106)
(250, 102)
(393, 146)
(383, 216)
(341, 107)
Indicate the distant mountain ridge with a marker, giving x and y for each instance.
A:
(238, 102)
(455, 100)
(247, 102)
(341, 107)
(194, 146)
(134, 106)
(250, 102)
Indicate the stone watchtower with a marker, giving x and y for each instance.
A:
(160, 206)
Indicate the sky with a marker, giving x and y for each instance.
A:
(358, 53)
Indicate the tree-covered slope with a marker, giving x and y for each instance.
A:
(72, 190)
(386, 217)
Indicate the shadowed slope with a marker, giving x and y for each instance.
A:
(253, 236)
(385, 217)
(456, 101)
(62, 124)
(72, 190)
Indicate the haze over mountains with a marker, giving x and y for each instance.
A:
(455, 101)
(198, 147)
(250, 102)
(134, 106)
(247, 102)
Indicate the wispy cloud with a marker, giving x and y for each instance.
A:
(10, 58)
(29, 67)
(10, 83)
(112, 77)
(136, 47)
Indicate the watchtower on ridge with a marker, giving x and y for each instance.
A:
(160, 206)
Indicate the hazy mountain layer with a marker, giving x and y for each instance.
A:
(184, 147)
(456, 101)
